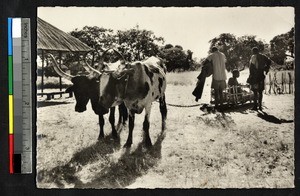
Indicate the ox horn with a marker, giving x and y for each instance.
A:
(101, 61)
(105, 52)
(120, 55)
(58, 70)
(89, 68)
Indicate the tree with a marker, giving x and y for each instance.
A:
(178, 46)
(243, 49)
(137, 44)
(133, 44)
(226, 43)
(282, 46)
(237, 49)
(175, 58)
(95, 37)
(167, 46)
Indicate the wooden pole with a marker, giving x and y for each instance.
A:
(42, 82)
(78, 67)
(290, 82)
(60, 85)
(275, 83)
(270, 83)
(282, 82)
(285, 82)
(265, 86)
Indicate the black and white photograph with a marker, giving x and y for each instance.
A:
(165, 97)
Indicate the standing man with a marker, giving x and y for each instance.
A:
(259, 64)
(218, 61)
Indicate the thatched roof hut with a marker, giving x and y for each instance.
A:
(51, 38)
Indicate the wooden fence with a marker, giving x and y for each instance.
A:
(280, 82)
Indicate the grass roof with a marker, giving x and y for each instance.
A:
(51, 38)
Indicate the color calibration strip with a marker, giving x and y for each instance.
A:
(10, 98)
(19, 70)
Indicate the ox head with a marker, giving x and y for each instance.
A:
(112, 82)
(85, 87)
(113, 85)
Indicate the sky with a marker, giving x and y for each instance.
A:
(192, 28)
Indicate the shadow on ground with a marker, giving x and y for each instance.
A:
(241, 108)
(130, 166)
(66, 173)
(219, 120)
(272, 119)
(41, 104)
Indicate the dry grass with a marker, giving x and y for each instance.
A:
(235, 149)
(182, 78)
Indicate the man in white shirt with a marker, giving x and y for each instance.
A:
(218, 61)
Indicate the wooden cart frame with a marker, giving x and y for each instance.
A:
(235, 95)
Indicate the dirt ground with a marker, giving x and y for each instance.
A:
(239, 148)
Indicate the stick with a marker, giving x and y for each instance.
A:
(270, 83)
(275, 83)
(282, 83)
(290, 82)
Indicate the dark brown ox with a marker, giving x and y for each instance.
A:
(85, 88)
(138, 84)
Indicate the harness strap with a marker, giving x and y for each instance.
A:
(126, 85)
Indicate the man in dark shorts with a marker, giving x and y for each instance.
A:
(259, 64)
(218, 61)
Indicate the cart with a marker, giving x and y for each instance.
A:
(235, 95)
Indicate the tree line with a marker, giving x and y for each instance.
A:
(238, 49)
(137, 44)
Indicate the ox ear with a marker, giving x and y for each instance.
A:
(69, 90)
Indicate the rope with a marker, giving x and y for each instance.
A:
(183, 106)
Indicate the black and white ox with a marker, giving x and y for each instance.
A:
(137, 84)
(85, 88)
